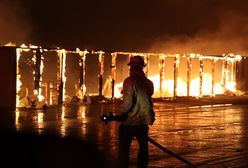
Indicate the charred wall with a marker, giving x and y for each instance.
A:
(242, 74)
(8, 77)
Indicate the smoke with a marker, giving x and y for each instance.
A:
(228, 36)
(14, 25)
(208, 27)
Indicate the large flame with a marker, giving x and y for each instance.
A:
(37, 93)
(18, 77)
(61, 73)
(167, 88)
(199, 86)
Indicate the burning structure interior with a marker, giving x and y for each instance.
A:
(33, 76)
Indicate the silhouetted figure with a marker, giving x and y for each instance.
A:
(137, 113)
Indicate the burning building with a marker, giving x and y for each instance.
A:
(33, 76)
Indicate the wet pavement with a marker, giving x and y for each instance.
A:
(73, 136)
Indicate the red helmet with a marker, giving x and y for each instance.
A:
(136, 61)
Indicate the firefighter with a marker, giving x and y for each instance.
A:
(137, 113)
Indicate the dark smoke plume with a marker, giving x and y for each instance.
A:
(14, 25)
(229, 35)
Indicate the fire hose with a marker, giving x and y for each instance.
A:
(188, 163)
(110, 117)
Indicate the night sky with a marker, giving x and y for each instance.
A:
(169, 26)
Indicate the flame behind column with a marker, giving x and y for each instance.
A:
(62, 68)
(168, 85)
(18, 76)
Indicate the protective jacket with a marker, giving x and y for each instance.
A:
(137, 102)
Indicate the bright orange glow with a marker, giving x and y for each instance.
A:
(81, 90)
(168, 87)
(162, 87)
(62, 57)
(18, 77)
(118, 88)
(38, 93)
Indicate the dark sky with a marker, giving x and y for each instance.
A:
(170, 26)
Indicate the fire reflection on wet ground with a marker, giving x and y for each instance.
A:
(207, 136)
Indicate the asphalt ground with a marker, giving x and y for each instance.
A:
(206, 132)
